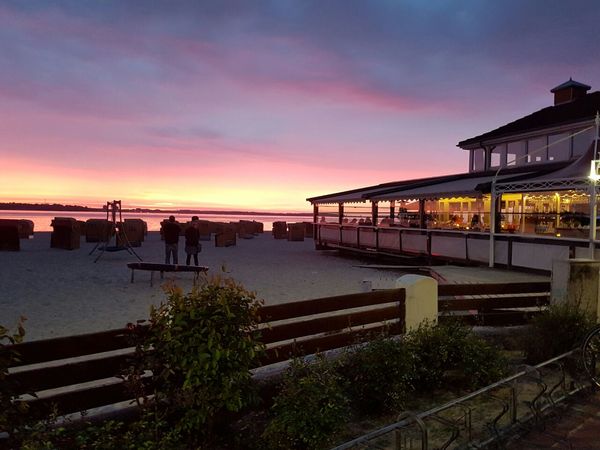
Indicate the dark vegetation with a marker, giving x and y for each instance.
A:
(201, 346)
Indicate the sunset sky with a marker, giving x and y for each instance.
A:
(260, 104)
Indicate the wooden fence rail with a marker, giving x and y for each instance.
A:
(57, 368)
(493, 304)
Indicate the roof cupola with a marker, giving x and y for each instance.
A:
(569, 91)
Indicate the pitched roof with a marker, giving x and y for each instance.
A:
(579, 110)
(570, 84)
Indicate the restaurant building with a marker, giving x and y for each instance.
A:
(526, 199)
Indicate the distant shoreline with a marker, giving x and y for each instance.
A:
(78, 208)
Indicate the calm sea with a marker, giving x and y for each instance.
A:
(42, 219)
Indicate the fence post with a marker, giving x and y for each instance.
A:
(421, 299)
(577, 281)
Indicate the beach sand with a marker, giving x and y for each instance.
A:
(64, 292)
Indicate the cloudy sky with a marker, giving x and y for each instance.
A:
(260, 104)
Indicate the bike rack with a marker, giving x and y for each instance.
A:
(549, 383)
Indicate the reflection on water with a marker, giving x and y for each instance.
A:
(42, 219)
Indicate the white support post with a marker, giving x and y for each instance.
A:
(593, 213)
(593, 199)
(421, 300)
(492, 252)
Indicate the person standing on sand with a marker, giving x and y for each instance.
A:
(171, 234)
(192, 241)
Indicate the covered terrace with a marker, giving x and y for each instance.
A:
(542, 213)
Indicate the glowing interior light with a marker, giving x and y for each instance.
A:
(594, 176)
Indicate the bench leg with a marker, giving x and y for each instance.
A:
(151, 277)
(132, 270)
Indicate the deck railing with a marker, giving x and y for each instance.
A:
(511, 250)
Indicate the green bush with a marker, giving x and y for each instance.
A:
(12, 412)
(202, 346)
(452, 349)
(480, 363)
(556, 330)
(378, 373)
(310, 407)
(49, 435)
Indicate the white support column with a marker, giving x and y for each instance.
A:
(594, 178)
(421, 299)
(593, 213)
(492, 252)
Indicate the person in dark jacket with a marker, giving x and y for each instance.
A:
(171, 234)
(192, 241)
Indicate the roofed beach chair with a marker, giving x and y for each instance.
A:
(295, 232)
(65, 234)
(279, 230)
(9, 235)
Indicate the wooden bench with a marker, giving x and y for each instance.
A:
(158, 267)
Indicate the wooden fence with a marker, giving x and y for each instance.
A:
(76, 373)
(493, 304)
(97, 358)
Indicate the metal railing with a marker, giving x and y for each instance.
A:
(493, 414)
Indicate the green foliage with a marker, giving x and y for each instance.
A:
(379, 374)
(556, 330)
(202, 346)
(310, 407)
(480, 363)
(12, 412)
(49, 435)
(452, 348)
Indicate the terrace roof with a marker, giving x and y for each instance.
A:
(466, 184)
(361, 194)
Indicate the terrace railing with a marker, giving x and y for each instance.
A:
(511, 250)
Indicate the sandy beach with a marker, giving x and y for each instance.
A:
(64, 292)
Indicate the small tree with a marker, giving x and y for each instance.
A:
(202, 346)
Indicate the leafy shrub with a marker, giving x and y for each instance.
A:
(450, 347)
(556, 330)
(310, 407)
(49, 435)
(12, 412)
(480, 363)
(378, 374)
(202, 346)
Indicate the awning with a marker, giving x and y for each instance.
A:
(362, 194)
(468, 186)
(573, 176)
